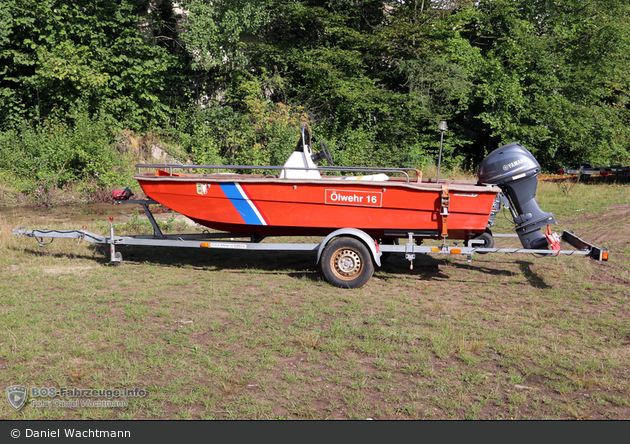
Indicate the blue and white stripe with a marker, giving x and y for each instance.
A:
(244, 206)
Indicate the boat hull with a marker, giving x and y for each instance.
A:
(281, 207)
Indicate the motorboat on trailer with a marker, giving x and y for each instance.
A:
(387, 203)
(304, 199)
(361, 216)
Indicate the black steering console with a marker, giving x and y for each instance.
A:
(323, 154)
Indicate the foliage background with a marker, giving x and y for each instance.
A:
(231, 81)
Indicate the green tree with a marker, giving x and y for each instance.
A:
(69, 54)
(380, 74)
(555, 78)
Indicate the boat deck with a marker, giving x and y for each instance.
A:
(423, 184)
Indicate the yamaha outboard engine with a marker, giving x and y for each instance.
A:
(515, 171)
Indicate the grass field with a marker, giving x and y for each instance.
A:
(244, 335)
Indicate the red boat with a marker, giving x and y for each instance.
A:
(388, 203)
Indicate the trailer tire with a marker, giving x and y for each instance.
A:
(488, 240)
(119, 259)
(347, 262)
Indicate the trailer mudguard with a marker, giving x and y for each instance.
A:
(354, 232)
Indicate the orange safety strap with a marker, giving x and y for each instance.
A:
(446, 198)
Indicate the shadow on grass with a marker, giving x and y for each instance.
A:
(429, 268)
(533, 278)
(43, 252)
(300, 265)
(292, 262)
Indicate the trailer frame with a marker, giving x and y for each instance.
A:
(347, 267)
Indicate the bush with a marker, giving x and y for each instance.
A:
(55, 152)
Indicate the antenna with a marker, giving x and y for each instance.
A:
(443, 128)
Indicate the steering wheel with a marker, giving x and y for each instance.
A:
(324, 148)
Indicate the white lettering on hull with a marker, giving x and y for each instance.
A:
(356, 198)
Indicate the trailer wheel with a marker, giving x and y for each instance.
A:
(488, 240)
(119, 259)
(347, 263)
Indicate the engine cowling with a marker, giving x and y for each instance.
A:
(513, 168)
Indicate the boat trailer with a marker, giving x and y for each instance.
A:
(585, 172)
(344, 254)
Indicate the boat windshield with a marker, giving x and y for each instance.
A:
(304, 140)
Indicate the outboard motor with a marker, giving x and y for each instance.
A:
(515, 171)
